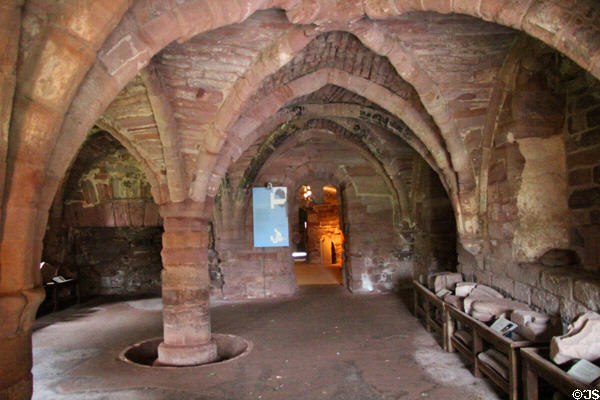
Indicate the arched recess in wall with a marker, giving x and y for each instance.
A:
(104, 227)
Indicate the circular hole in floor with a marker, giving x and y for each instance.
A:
(144, 353)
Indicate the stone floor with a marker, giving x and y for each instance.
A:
(323, 343)
(317, 274)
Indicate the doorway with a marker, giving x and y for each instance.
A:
(320, 237)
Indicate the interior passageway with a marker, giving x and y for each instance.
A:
(323, 343)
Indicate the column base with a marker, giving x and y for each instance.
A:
(185, 356)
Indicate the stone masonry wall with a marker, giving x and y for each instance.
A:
(434, 230)
(242, 271)
(117, 261)
(377, 259)
(552, 128)
(583, 164)
(104, 225)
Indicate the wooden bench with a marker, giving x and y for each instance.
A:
(454, 317)
(429, 306)
(536, 364)
(484, 337)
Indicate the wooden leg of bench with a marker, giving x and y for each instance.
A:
(55, 297)
(450, 328)
(416, 302)
(513, 375)
(477, 348)
(427, 316)
(530, 382)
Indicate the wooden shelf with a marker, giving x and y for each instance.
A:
(484, 337)
(536, 364)
(427, 305)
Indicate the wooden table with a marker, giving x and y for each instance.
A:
(536, 364)
(53, 289)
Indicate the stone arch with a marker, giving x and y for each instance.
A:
(137, 38)
(189, 19)
(38, 112)
(96, 47)
(233, 119)
(305, 129)
(153, 176)
(373, 92)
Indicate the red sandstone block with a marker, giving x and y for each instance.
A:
(441, 6)
(193, 17)
(137, 210)
(185, 239)
(509, 13)
(151, 215)
(544, 20)
(586, 157)
(187, 256)
(54, 81)
(174, 276)
(20, 259)
(37, 126)
(182, 211)
(380, 8)
(580, 177)
(125, 53)
(91, 21)
(580, 40)
(175, 296)
(27, 183)
(121, 210)
(147, 10)
(106, 214)
(468, 7)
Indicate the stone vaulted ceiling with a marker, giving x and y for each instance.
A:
(221, 94)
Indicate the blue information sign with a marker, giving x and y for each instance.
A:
(269, 208)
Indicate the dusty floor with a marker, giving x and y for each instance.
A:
(324, 343)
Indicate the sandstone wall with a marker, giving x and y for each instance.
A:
(104, 225)
(540, 244)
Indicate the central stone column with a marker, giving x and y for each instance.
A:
(185, 287)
